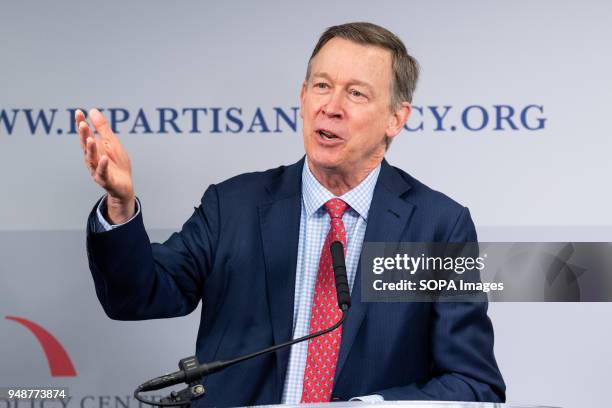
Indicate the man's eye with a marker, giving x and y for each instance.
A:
(356, 93)
(321, 85)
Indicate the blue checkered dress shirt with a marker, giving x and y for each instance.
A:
(314, 225)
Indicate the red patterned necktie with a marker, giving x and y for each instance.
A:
(323, 350)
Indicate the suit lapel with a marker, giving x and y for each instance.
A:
(387, 220)
(280, 222)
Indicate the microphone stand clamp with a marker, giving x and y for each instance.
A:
(185, 396)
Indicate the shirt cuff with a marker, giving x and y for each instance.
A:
(369, 398)
(103, 225)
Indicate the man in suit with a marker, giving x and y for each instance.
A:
(255, 250)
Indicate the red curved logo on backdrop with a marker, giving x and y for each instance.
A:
(59, 361)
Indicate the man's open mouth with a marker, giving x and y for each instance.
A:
(327, 135)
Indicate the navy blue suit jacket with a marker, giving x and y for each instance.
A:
(238, 252)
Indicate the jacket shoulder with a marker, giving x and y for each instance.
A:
(421, 194)
(437, 216)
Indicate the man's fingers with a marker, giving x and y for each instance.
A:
(84, 133)
(101, 124)
(91, 154)
(79, 116)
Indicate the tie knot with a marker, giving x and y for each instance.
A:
(336, 207)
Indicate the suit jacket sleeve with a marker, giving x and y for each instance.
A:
(464, 367)
(136, 280)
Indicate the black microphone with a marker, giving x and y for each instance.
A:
(342, 287)
(185, 375)
(191, 371)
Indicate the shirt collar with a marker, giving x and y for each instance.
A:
(314, 195)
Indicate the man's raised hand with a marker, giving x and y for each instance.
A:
(108, 163)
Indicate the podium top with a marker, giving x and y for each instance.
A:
(407, 404)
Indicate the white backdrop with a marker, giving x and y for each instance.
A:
(549, 183)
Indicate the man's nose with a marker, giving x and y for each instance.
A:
(334, 105)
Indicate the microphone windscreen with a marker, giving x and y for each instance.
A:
(342, 287)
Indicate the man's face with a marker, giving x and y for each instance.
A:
(345, 107)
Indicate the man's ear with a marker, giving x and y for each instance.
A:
(302, 96)
(398, 119)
